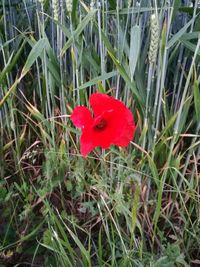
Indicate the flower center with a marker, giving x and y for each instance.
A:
(101, 125)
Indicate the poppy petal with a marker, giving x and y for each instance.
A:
(127, 132)
(119, 130)
(101, 102)
(126, 136)
(87, 142)
(81, 117)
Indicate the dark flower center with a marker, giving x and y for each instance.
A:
(101, 125)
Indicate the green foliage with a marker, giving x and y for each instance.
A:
(137, 206)
(172, 257)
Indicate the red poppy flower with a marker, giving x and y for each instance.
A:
(112, 123)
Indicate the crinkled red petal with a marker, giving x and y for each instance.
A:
(102, 102)
(127, 130)
(87, 142)
(81, 117)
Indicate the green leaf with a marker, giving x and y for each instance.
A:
(78, 31)
(177, 5)
(3, 193)
(191, 46)
(154, 170)
(134, 211)
(99, 78)
(132, 10)
(179, 34)
(134, 48)
(12, 61)
(6, 68)
(74, 7)
(36, 51)
(197, 99)
(184, 115)
(125, 76)
(168, 126)
(112, 4)
(101, 88)
(190, 35)
(189, 10)
(8, 93)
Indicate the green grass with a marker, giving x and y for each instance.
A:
(138, 206)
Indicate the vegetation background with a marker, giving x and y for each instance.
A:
(138, 206)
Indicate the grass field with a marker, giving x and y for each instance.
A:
(136, 206)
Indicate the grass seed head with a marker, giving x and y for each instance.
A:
(92, 4)
(42, 2)
(55, 7)
(69, 5)
(154, 41)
